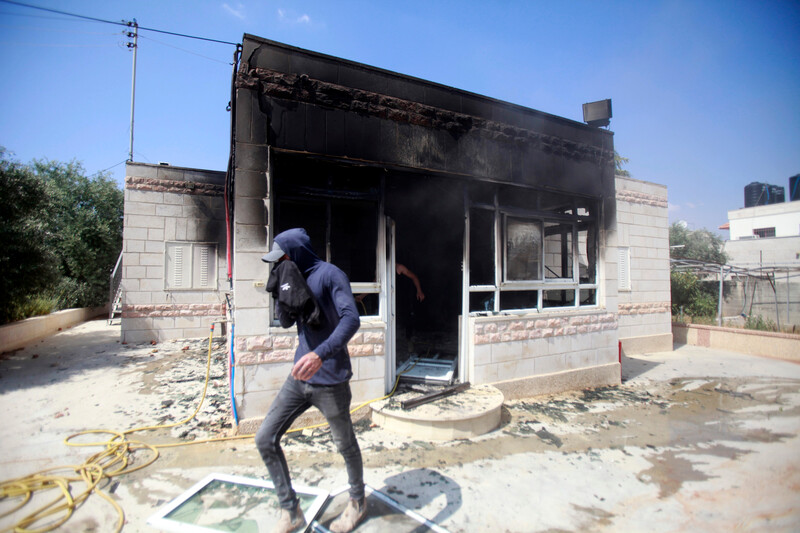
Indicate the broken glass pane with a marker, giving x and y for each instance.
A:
(523, 249)
(383, 514)
(558, 298)
(231, 504)
(519, 300)
(481, 302)
(557, 251)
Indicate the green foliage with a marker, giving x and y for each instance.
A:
(28, 306)
(61, 234)
(760, 323)
(85, 230)
(691, 297)
(697, 298)
(700, 245)
(26, 263)
(619, 162)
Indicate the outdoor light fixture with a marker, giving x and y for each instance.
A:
(597, 113)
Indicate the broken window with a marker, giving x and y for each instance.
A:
(558, 250)
(587, 253)
(523, 249)
(548, 256)
(342, 232)
(481, 247)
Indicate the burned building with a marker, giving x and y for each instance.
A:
(506, 215)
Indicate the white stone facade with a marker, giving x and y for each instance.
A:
(644, 310)
(178, 207)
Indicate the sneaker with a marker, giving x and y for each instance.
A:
(350, 517)
(290, 520)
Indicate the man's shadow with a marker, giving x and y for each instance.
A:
(417, 488)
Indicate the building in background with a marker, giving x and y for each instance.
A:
(765, 240)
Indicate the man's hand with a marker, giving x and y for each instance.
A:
(306, 367)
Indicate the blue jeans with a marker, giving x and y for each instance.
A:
(294, 398)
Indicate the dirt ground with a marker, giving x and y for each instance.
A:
(693, 440)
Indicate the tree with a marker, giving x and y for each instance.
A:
(619, 162)
(700, 245)
(61, 233)
(27, 265)
(690, 294)
(84, 230)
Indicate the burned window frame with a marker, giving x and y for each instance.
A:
(579, 215)
(325, 249)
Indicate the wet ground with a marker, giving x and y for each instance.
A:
(693, 440)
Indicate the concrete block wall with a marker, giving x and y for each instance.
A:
(644, 311)
(264, 361)
(169, 204)
(513, 347)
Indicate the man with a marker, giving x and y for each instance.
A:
(320, 377)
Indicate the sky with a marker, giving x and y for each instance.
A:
(705, 94)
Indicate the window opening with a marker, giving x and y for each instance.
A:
(588, 297)
(481, 302)
(587, 253)
(549, 250)
(557, 251)
(764, 232)
(523, 249)
(344, 233)
(558, 298)
(481, 246)
(510, 300)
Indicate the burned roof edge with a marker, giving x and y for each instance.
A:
(476, 101)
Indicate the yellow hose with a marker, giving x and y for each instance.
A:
(104, 465)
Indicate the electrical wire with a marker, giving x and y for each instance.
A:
(115, 460)
(121, 23)
(183, 50)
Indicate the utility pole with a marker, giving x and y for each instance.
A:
(134, 46)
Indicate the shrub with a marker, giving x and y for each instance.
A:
(760, 323)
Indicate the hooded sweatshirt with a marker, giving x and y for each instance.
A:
(339, 319)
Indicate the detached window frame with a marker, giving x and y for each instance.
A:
(190, 266)
(524, 288)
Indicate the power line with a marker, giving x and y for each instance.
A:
(185, 50)
(120, 23)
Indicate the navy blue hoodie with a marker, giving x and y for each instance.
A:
(339, 320)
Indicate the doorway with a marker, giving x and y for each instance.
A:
(428, 221)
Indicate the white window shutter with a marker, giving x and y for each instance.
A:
(624, 268)
(205, 266)
(176, 276)
(190, 265)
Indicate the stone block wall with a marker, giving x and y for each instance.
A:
(165, 204)
(513, 347)
(264, 361)
(643, 228)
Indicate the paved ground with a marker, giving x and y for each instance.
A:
(694, 440)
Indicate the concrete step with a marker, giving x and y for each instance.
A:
(467, 414)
